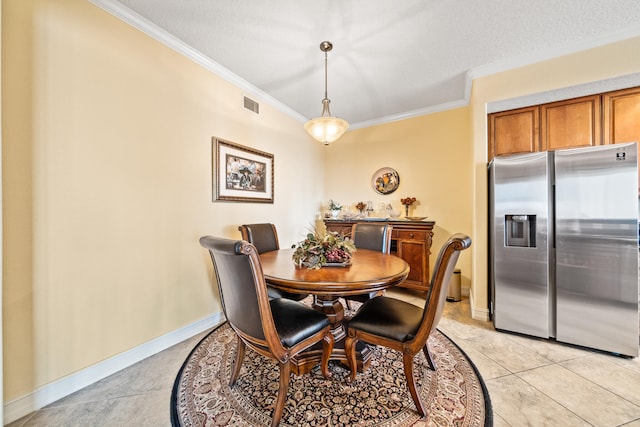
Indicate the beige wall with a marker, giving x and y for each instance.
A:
(607, 62)
(107, 187)
(433, 156)
(107, 180)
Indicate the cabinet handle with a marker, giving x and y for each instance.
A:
(411, 235)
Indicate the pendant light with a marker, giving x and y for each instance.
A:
(326, 128)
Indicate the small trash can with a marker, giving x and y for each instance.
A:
(454, 287)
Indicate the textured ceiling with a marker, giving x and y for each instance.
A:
(391, 59)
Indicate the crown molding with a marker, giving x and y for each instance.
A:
(411, 114)
(585, 89)
(521, 61)
(125, 14)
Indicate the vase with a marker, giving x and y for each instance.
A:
(406, 210)
(334, 214)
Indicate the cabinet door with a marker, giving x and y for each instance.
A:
(414, 252)
(514, 131)
(571, 123)
(622, 117)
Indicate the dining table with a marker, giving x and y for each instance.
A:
(369, 271)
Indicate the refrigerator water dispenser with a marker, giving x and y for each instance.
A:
(520, 231)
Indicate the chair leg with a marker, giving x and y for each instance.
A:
(407, 360)
(327, 347)
(427, 355)
(285, 374)
(237, 364)
(350, 350)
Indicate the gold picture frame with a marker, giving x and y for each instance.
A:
(240, 173)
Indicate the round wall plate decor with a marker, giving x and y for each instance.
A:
(385, 181)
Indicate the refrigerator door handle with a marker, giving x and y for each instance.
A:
(552, 229)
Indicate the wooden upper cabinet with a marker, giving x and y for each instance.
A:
(622, 116)
(607, 118)
(514, 131)
(571, 123)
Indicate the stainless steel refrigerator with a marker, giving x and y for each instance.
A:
(564, 246)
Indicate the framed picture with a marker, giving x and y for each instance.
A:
(385, 181)
(241, 174)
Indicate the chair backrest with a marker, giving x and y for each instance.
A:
(443, 270)
(373, 236)
(263, 236)
(242, 288)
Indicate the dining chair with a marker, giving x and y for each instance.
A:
(275, 328)
(264, 237)
(402, 326)
(373, 236)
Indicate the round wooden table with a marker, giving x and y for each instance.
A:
(369, 271)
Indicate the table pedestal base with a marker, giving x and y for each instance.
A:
(305, 361)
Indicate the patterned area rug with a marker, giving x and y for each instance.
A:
(454, 395)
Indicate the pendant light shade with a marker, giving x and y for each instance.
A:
(326, 128)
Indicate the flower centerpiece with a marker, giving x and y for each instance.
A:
(319, 250)
(360, 206)
(407, 201)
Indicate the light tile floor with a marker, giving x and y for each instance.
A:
(531, 382)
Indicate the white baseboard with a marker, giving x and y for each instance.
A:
(478, 313)
(58, 389)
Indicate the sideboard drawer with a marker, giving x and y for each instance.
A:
(409, 234)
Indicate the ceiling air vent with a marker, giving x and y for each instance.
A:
(251, 105)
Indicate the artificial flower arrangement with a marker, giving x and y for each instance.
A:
(318, 250)
(407, 201)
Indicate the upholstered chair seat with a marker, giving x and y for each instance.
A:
(295, 322)
(402, 326)
(390, 318)
(276, 328)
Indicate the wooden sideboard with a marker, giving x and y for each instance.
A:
(410, 240)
